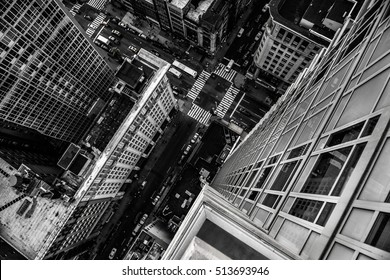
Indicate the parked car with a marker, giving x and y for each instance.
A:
(112, 253)
(104, 47)
(155, 200)
(187, 150)
(143, 218)
(116, 32)
(194, 138)
(114, 40)
(136, 229)
(122, 24)
(133, 48)
(87, 17)
(258, 35)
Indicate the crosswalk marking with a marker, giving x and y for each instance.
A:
(198, 85)
(95, 24)
(227, 101)
(97, 4)
(199, 114)
(220, 71)
(75, 7)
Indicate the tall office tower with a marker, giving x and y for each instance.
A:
(51, 78)
(311, 180)
(294, 33)
(49, 221)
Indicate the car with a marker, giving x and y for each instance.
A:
(258, 35)
(131, 30)
(133, 48)
(104, 47)
(122, 24)
(143, 184)
(114, 20)
(87, 17)
(114, 40)
(143, 218)
(245, 63)
(136, 229)
(155, 200)
(116, 32)
(154, 52)
(187, 150)
(194, 138)
(265, 8)
(112, 253)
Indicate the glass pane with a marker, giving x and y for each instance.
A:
(325, 172)
(325, 214)
(270, 200)
(370, 125)
(377, 186)
(283, 176)
(306, 252)
(363, 99)
(338, 189)
(292, 235)
(379, 236)
(357, 223)
(260, 216)
(310, 128)
(306, 209)
(340, 252)
(364, 257)
(263, 177)
(345, 135)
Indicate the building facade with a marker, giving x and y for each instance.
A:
(70, 212)
(293, 36)
(311, 179)
(51, 77)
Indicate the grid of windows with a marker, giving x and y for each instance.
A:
(50, 75)
(318, 162)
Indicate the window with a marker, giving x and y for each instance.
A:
(263, 177)
(379, 236)
(283, 176)
(345, 135)
(325, 171)
(306, 209)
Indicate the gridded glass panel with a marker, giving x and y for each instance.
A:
(363, 99)
(263, 177)
(292, 235)
(306, 209)
(247, 206)
(336, 114)
(271, 200)
(379, 236)
(253, 195)
(325, 214)
(345, 135)
(377, 186)
(260, 216)
(288, 204)
(307, 250)
(325, 172)
(384, 100)
(383, 45)
(340, 252)
(349, 168)
(310, 127)
(364, 257)
(370, 126)
(357, 223)
(285, 173)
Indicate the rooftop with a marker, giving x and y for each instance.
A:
(27, 231)
(179, 3)
(313, 12)
(196, 12)
(129, 73)
(32, 231)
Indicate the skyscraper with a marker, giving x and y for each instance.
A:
(51, 78)
(311, 180)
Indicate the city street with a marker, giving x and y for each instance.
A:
(163, 158)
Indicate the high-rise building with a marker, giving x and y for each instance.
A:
(311, 180)
(51, 78)
(294, 34)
